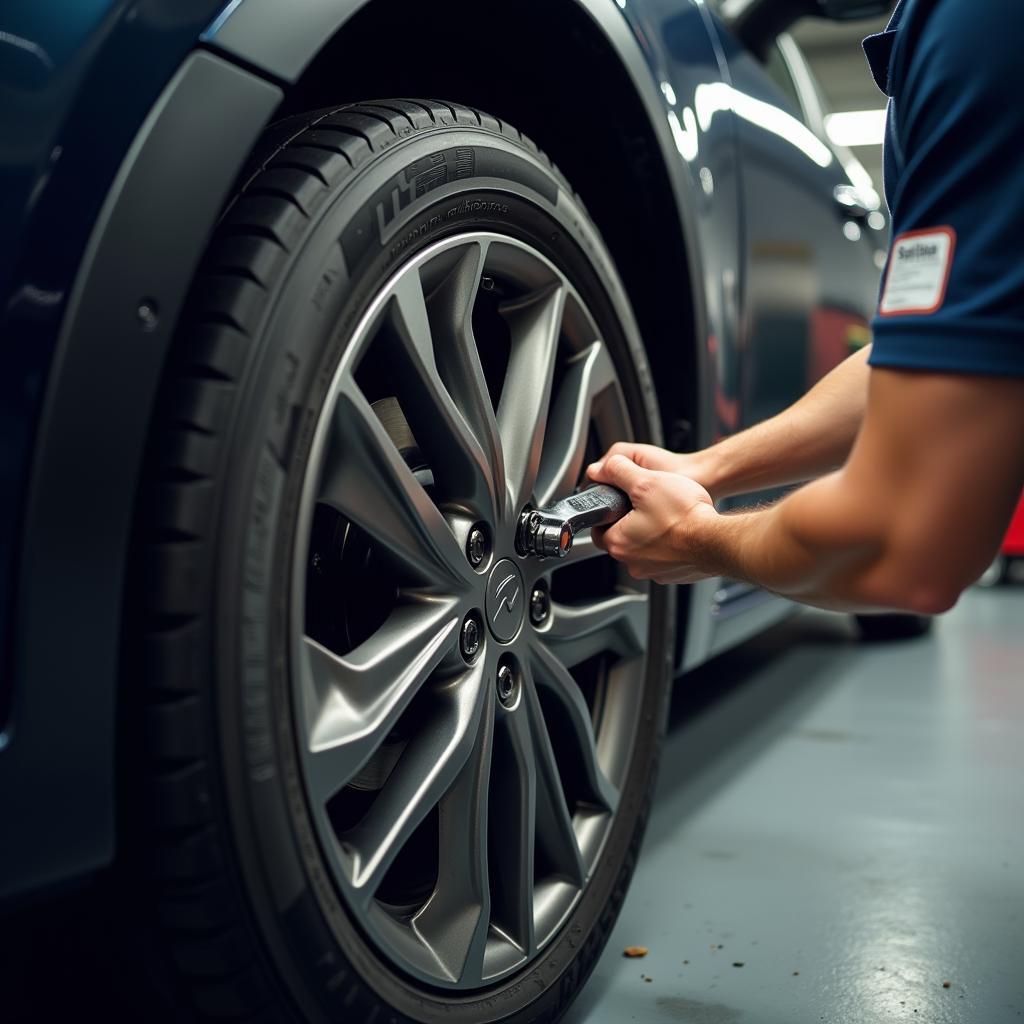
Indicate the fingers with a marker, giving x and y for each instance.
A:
(609, 538)
(626, 448)
(612, 540)
(648, 456)
(645, 455)
(625, 474)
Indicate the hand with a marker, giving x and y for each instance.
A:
(657, 539)
(695, 465)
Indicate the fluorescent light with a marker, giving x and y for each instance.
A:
(856, 127)
(685, 137)
(711, 97)
(861, 179)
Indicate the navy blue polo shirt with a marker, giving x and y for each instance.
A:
(952, 294)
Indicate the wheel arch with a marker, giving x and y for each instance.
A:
(590, 100)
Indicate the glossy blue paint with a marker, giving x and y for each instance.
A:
(782, 285)
(44, 57)
(77, 78)
(685, 62)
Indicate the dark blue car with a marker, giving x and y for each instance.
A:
(288, 346)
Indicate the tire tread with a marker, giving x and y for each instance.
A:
(299, 164)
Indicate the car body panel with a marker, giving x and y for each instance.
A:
(130, 133)
(77, 79)
(65, 704)
(806, 285)
(688, 65)
(267, 35)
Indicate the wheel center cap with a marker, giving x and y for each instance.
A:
(506, 600)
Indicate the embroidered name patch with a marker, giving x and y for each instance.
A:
(919, 264)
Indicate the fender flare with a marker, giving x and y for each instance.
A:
(58, 783)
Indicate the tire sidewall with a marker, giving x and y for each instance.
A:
(330, 970)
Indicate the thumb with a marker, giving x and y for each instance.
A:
(623, 472)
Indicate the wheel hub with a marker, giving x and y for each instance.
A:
(505, 600)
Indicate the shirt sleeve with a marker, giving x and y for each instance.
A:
(952, 296)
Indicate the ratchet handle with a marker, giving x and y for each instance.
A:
(600, 505)
(549, 532)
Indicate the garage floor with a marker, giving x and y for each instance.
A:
(838, 833)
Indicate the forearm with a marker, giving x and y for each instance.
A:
(913, 516)
(812, 547)
(810, 438)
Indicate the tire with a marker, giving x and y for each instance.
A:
(297, 510)
(893, 626)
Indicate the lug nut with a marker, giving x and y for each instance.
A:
(476, 546)
(540, 605)
(469, 640)
(506, 685)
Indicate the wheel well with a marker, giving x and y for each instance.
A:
(550, 72)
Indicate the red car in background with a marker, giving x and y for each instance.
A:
(1013, 547)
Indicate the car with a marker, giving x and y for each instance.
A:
(288, 347)
(1011, 549)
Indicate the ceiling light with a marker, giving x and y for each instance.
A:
(856, 127)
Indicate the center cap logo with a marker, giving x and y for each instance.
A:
(506, 600)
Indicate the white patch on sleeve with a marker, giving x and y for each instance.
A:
(919, 264)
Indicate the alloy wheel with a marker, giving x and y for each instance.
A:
(465, 716)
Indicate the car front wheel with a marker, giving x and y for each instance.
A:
(396, 770)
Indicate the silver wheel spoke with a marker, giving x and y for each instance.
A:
(368, 482)
(617, 624)
(514, 832)
(458, 360)
(428, 766)
(352, 701)
(555, 834)
(556, 679)
(459, 463)
(535, 324)
(589, 374)
(455, 921)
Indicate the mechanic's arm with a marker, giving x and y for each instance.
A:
(913, 518)
(812, 437)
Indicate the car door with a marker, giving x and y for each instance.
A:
(811, 230)
(809, 272)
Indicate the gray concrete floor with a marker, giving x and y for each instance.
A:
(844, 821)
